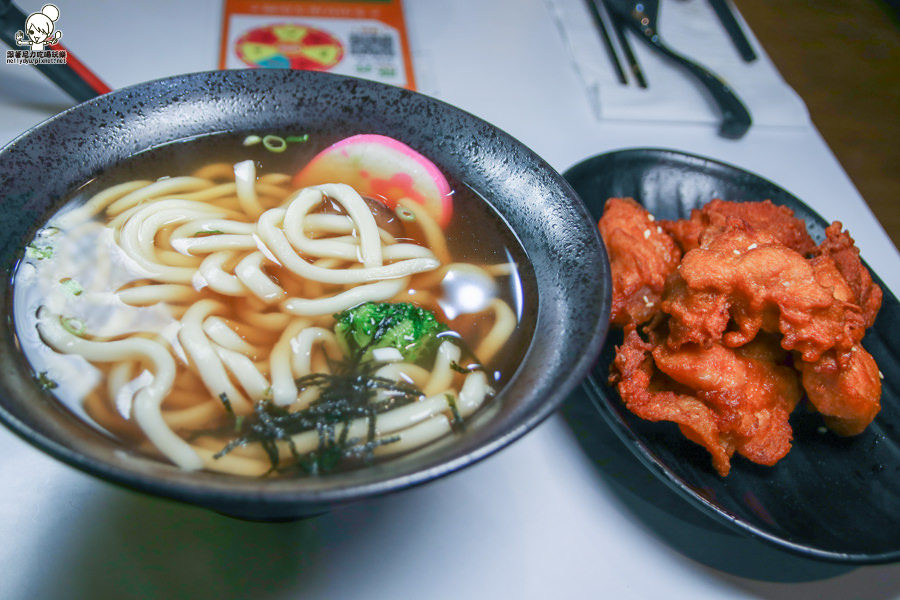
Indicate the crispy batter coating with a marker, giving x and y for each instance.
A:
(726, 399)
(754, 315)
(633, 373)
(840, 247)
(848, 396)
(762, 216)
(742, 281)
(641, 256)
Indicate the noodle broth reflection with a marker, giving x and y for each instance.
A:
(222, 318)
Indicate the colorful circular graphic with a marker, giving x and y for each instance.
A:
(289, 46)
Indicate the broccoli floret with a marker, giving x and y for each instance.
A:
(410, 329)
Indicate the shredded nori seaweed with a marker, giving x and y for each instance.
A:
(457, 421)
(342, 399)
(350, 392)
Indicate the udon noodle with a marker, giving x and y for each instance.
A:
(181, 309)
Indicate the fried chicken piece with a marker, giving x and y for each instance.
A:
(641, 256)
(751, 394)
(634, 374)
(848, 395)
(777, 220)
(743, 281)
(727, 400)
(840, 247)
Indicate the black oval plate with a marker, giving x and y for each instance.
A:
(831, 498)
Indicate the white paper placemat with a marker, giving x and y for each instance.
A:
(691, 28)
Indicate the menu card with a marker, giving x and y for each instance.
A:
(364, 38)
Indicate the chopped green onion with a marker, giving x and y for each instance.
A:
(274, 143)
(45, 382)
(404, 214)
(208, 232)
(36, 252)
(73, 325)
(72, 286)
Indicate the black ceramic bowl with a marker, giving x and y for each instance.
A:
(830, 498)
(40, 168)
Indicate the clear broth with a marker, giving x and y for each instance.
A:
(476, 234)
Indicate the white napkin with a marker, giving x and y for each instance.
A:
(691, 28)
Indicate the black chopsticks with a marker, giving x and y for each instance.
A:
(605, 18)
(607, 40)
(734, 29)
(73, 77)
(597, 8)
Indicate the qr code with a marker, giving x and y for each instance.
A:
(371, 44)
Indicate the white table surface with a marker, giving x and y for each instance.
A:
(551, 516)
